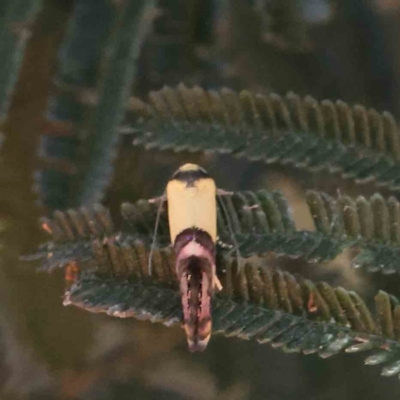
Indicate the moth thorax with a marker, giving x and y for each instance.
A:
(202, 238)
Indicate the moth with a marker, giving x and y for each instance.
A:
(192, 213)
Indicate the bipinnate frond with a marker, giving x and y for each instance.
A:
(371, 225)
(131, 29)
(256, 302)
(261, 221)
(262, 224)
(360, 143)
(81, 137)
(268, 306)
(76, 79)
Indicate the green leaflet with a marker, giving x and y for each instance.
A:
(362, 144)
(373, 226)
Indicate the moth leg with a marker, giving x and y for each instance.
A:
(156, 200)
(216, 283)
(222, 192)
(160, 200)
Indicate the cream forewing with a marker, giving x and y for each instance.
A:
(192, 203)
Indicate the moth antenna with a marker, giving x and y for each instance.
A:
(153, 242)
(228, 221)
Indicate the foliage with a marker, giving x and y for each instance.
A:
(361, 144)
(257, 302)
(109, 86)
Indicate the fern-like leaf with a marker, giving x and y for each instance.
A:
(373, 226)
(261, 220)
(256, 303)
(133, 25)
(362, 144)
(83, 138)
(268, 306)
(76, 80)
(262, 223)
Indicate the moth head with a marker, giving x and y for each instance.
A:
(190, 167)
(191, 172)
